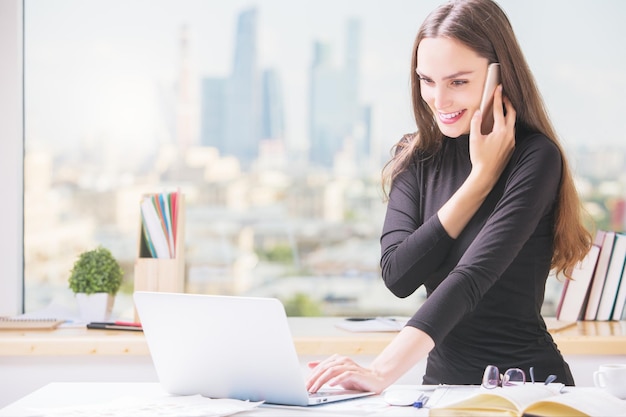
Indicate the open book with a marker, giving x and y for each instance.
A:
(534, 400)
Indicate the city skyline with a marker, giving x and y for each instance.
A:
(100, 82)
(119, 71)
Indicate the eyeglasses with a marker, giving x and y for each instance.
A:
(513, 376)
(493, 379)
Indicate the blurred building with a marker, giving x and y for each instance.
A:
(338, 122)
(240, 112)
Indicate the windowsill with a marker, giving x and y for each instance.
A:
(592, 338)
(312, 336)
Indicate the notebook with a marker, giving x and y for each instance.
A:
(24, 323)
(226, 347)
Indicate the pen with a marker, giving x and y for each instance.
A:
(370, 318)
(421, 401)
(127, 323)
(117, 323)
(114, 326)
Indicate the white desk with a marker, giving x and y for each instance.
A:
(69, 399)
(65, 394)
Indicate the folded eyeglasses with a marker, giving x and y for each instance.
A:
(492, 378)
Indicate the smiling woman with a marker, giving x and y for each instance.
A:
(477, 219)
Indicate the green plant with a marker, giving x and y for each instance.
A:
(302, 305)
(96, 271)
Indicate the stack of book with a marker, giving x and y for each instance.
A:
(159, 215)
(597, 290)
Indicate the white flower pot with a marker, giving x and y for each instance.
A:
(95, 307)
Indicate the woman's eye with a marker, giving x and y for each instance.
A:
(458, 83)
(426, 80)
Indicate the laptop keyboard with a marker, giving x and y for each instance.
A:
(329, 393)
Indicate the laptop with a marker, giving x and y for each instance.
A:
(226, 347)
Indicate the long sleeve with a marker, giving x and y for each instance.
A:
(513, 229)
(485, 289)
(411, 251)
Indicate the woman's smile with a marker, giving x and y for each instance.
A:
(450, 118)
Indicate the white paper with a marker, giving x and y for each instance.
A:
(179, 406)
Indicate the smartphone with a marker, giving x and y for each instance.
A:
(486, 103)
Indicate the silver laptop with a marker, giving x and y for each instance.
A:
(226, 347)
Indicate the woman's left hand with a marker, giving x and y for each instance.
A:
(343, 371)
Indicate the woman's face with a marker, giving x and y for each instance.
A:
(451, 82)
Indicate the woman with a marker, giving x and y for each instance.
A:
(479, 220)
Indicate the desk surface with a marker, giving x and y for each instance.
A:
(312, 336)
(139, 399)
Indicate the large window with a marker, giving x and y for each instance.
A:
(274, 120)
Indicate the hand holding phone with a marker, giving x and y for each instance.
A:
(486, 103)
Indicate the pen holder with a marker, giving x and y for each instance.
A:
(157, 274)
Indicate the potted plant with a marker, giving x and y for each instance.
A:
(95, 279)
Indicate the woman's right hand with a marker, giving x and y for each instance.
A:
(490, 153)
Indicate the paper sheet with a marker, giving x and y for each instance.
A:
(178, 406)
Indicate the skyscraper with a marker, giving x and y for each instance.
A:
(352, 68)
(359, 114)
(327, 118)
(243, 112)
(272, 123)
(185, 105)
(336, 118)
(213, 113)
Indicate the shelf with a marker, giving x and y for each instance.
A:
(312, 336)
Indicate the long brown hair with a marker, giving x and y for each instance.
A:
(484, 27)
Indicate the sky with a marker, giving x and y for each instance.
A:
(96, 67)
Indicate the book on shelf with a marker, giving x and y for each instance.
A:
(533, 400)
(612, 283)
(575, 289)
(620, 298)
(605, 240)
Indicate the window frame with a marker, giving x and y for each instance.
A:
(12, 157)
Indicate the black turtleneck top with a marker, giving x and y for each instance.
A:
(484, 289)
